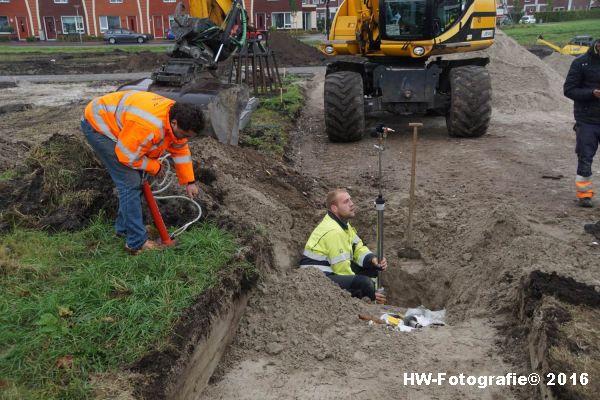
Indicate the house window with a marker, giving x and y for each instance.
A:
(4, 1)
(72, 24)
(116, 1)
(4, 25)
(169, 1)
(109, 22)
(281, 20)
(61, 1)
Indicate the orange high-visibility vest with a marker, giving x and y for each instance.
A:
(138, 122)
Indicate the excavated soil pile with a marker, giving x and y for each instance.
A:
(559, 62)
(291, 52)
(563, 318)
(521, 81)
(116, 61)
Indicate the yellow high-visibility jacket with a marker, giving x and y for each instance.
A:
(138, 122)
(333, 246)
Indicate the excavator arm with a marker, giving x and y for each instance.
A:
(206, 35)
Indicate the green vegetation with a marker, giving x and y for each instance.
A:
(134, 48)
(74, 304)
(559, 32)
(8, 175)
(269, 125)
(313, 43)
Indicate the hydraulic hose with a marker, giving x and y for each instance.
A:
(162, 185)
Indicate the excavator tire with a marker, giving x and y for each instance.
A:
(470, 102)
(344, 106)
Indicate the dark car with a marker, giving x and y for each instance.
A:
(121, 35)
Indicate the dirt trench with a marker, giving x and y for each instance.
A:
(487, 216)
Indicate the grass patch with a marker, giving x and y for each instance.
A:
(7, 49)
(8, 175)
(559, 32)
(314, 43)
(74, 304)
(270, 123)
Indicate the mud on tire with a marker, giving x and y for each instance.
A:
(470, 103)
(344, 106)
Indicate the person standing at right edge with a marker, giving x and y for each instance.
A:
(583, 87)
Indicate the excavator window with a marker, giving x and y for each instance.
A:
(448, 12)
(405, 18)
(420, 19)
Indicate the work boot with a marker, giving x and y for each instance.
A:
(586, 202)
(594, 229)
(148, 245)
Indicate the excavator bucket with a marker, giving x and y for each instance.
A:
(226, 107)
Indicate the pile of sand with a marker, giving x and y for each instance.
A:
(559, 62)
(521, 81)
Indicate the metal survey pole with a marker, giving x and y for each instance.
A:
(381, 132)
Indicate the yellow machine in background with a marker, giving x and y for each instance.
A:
(398, 72)
(576, 46)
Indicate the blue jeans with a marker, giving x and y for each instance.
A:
(588, 136)
(130, 221)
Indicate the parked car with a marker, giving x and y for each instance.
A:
(122, 35)
(503, 19)
(527, 19)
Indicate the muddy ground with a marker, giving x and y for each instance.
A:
(288, 52)
(496, 222)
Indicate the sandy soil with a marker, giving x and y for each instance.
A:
(489, 211)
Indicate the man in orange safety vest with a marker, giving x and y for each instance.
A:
(129, 131)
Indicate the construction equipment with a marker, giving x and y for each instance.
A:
(399, 71)
(576, 46)
(204, 39)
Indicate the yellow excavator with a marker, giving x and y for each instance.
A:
(206, 35)
(402, 70)
(577, 46)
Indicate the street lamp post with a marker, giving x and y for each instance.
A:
(77, 22)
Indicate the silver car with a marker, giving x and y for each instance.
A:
(122, 35)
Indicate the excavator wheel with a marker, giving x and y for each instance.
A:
(470, 103)
(344, 106)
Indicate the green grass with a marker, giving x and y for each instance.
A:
(8, 175)
(74, 304)
(559, 32)
(270, 123)
(8, 49)
(313, 43)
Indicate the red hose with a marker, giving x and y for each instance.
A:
(165, 238)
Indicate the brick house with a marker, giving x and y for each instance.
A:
(47, 19)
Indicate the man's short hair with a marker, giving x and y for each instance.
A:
(188, 116)
(332, 197)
